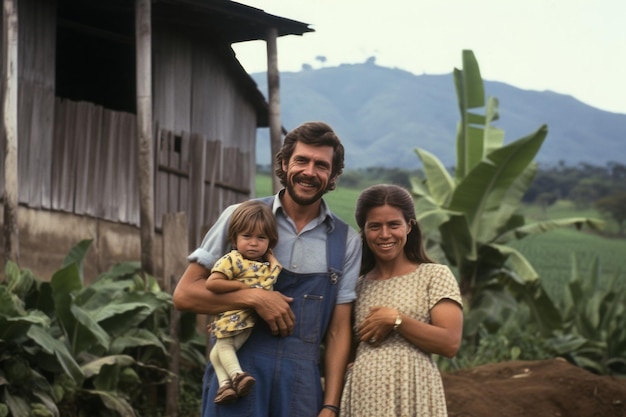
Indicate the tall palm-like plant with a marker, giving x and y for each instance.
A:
(473, 213)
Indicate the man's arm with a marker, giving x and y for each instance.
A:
(338, 341)
(191, 295)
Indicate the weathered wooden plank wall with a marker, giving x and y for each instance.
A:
(194, 93)
(92, 170)
(190, 179)
(36, 69)
(80, 158)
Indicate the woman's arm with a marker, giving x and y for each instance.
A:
(442, 336)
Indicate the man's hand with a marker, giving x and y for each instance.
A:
(274, 308)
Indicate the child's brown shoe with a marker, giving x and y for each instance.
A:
(225, 394)
(243, 383)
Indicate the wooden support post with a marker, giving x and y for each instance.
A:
(175, 253)
(145, 155)
(9, 129)
(273, 88)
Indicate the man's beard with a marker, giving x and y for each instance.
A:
(303, 201)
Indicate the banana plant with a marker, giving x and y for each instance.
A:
(594, 321)
(470, 215)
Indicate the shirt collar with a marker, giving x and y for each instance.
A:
(324, 215)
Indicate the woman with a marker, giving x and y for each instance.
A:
(407, 309)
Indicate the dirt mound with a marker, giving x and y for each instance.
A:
(550, 388)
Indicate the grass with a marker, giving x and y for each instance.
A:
(550, 253)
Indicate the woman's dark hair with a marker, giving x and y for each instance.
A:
(398, 197)
(248, 216)
(316, 134)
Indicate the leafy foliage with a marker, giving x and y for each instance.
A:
(592, 332)
(587, 327)
(472, 215)
(100, 350)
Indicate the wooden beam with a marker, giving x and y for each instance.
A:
(145, 155)
(9, 129)
(273, 88)
(174, 264)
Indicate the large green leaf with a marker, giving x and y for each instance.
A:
(495, 224)
(77, 255)
(17, 404)
(87, 332)
(486, 185)
(474, 149)
(469, 83)
(137, 338)
(523, 271)
(493, 136)
(57, 348)
(457, 241)
(9, 305)
(470, 95)
(127, 313)
(14, 325)
(507, 217)
(548, 225)
(114, 402)
(65, 283)
(93, 368)
(439, 182)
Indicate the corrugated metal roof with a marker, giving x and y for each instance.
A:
(234, 21)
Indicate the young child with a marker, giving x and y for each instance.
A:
(253, 233)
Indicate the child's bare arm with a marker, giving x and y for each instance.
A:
(219, 283)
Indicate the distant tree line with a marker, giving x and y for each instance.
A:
(586, 185)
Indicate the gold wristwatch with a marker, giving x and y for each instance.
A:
(398, 322)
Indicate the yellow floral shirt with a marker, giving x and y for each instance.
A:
(255, 274)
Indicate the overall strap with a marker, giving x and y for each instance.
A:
(335, 245)
(336, 248)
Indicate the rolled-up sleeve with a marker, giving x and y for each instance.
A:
(351, 270)
(215, 243)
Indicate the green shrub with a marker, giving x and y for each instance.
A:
(100, 350)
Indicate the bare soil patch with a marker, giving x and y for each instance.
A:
(550, 388)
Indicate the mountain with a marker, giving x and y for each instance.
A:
(382, 114)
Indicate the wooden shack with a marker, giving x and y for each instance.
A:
(77, 122)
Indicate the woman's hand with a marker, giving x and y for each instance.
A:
(377, 325)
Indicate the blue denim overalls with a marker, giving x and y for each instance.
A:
(287, 368)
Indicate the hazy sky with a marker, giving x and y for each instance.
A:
(573, 47)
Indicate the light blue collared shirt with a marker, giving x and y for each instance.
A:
(302, 253)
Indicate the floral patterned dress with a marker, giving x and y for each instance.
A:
(396, 378)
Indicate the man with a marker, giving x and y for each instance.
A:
(313, 296)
